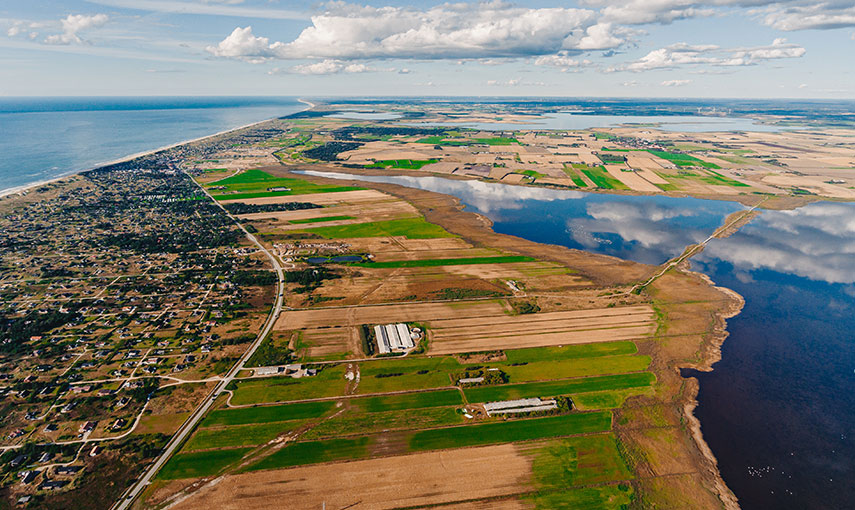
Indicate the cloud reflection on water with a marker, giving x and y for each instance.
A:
(816, 242)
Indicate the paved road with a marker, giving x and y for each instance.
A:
(187, 427)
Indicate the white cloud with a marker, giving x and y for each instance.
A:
(636, 12)
(462, 30)
(242, 44)
(75, 23)
(226, 8)
(684, 54)
(331, 67)
(562, 61)
(819, 15)
(675, 83)
(514, 82)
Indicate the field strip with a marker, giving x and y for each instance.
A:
(542, 340)
(407, 481)
(487, 333)
(546, 316)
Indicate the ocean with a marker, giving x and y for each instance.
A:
(46, 138)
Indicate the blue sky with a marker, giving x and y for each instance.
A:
(634, 48)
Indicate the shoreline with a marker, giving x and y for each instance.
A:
(732, 304)
(15, 190)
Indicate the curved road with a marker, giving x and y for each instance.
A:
(187, 427)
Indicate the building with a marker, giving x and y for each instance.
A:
(393, 338)
(523, 405)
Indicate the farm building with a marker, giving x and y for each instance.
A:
(393, 338)
(523, 405)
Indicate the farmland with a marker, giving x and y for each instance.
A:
(495, 322)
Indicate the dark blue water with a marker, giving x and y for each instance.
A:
(778, 410)
(43, 138)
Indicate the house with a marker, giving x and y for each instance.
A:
(66, 470)
(49, 485)
(89, 426)
(28, 476)
(17, 461)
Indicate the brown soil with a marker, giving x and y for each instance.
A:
(394, 482)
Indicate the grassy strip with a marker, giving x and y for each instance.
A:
(266, 414)
(446, 262)
(328, 383)
(241, 435)
(408, 164)
(409, 401)
(439, 140)
(609, 497)
(411, 228)
(371, 423)
(577, 461)
(601, 178)
(578, 181)
(199, 464)
(682, 160)
(545, 370)
(312, 452)
(255, 183)
(532, 354)
(321, 219)
(510, 431)
(554, 388)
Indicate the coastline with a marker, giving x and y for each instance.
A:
(712, 354)
(27, 187)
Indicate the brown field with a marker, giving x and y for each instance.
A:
(381, 314)
(394, 482)
(635, 181)
(338, 197)
(379, 210)
(541, 329)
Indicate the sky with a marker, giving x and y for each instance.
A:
(588, 48)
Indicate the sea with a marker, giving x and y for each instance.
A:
(46, 138)
(778, 409)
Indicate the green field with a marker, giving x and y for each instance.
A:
(601, 178)
(239, 435)
(404, 381)
(312, 452)
(577, 461)
(407, 164)
(409, 401)
(608, 497)
(574, 176)
(409, 365)
(543, 370)
(254, 183)
(682, 160)
(266, 414)
(199, 464)
(509, 259)
(532, 354)
(411, 228)
(606, 399)
(439, 140)
(555, 388)
(321, 219)
(329, 382)
(510, 431)
(368, 423)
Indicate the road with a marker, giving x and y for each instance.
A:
(694, 249)
(187, 427)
